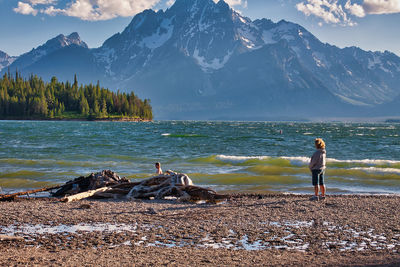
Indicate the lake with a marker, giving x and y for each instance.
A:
(225, 156)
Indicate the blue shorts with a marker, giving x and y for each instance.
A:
(317, 177)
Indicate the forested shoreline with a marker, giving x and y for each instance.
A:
(33, 98)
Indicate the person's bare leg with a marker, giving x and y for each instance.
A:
(323, 189)
(316, 190)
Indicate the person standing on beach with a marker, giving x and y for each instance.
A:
(158, 167)
(317, 167)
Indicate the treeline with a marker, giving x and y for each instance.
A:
(34, 98)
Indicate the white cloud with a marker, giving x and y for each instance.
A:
(94, 10)
(381, 6)
(237, 3)
(51, 11)
(106, 9)
(355, 9)
(41, 2)
(232, 3)
(25, 9)
(91, 10)
(170, 2)
(330, 11)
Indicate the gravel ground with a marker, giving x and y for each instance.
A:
(245, 230)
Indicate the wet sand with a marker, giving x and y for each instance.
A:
(246, 230)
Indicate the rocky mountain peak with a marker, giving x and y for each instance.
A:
(62, 41)
(194, 9)
(59, 42)
(3, 55)
(190, 5)
(5, 60)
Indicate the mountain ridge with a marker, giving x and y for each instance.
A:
(201, 60)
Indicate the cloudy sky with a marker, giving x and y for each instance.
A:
(369, 24)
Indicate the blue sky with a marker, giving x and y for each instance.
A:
(369, 24)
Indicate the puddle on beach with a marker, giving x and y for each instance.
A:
(41, 229)
(277, 235)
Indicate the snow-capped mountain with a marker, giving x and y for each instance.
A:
(36, 54)
(5, 60)
(203, 60)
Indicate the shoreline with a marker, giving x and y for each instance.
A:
(234, 193)
(247, 229)
(72, 119)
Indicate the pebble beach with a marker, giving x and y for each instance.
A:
(247, 229)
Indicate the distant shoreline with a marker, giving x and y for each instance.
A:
(76, 119)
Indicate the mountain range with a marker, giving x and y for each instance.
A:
(203, 60)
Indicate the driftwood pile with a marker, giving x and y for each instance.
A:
(107, 184)
(94, 181)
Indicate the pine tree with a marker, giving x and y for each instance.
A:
(84, 106)
(34, 97)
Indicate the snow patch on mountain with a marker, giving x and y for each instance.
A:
(320, 60)
(352, 101)
(372, 63)
(305, 40)
(106, 56)
(163, 34)
(268, 37)
(376, 63)
(214, 64)
(248, 38)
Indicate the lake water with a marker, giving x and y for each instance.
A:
(226, 156)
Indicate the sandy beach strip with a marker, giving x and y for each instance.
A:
(247, 230)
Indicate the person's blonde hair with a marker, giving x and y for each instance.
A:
(319, 143)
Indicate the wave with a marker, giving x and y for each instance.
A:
(183, 135)
(363, 174)
(22, 173)
(118, 160)
(243, 179)
(367, 161)
(24, 183)
(240, 158)
(377, 170)
(305, 160)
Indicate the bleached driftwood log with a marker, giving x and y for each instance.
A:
(83, 195)
(173, 184)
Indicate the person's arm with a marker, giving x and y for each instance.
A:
(313, 162)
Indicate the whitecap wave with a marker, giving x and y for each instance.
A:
(240, 158)
(378, 170)
(305, 160)
(298, 160)
(366, 161)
